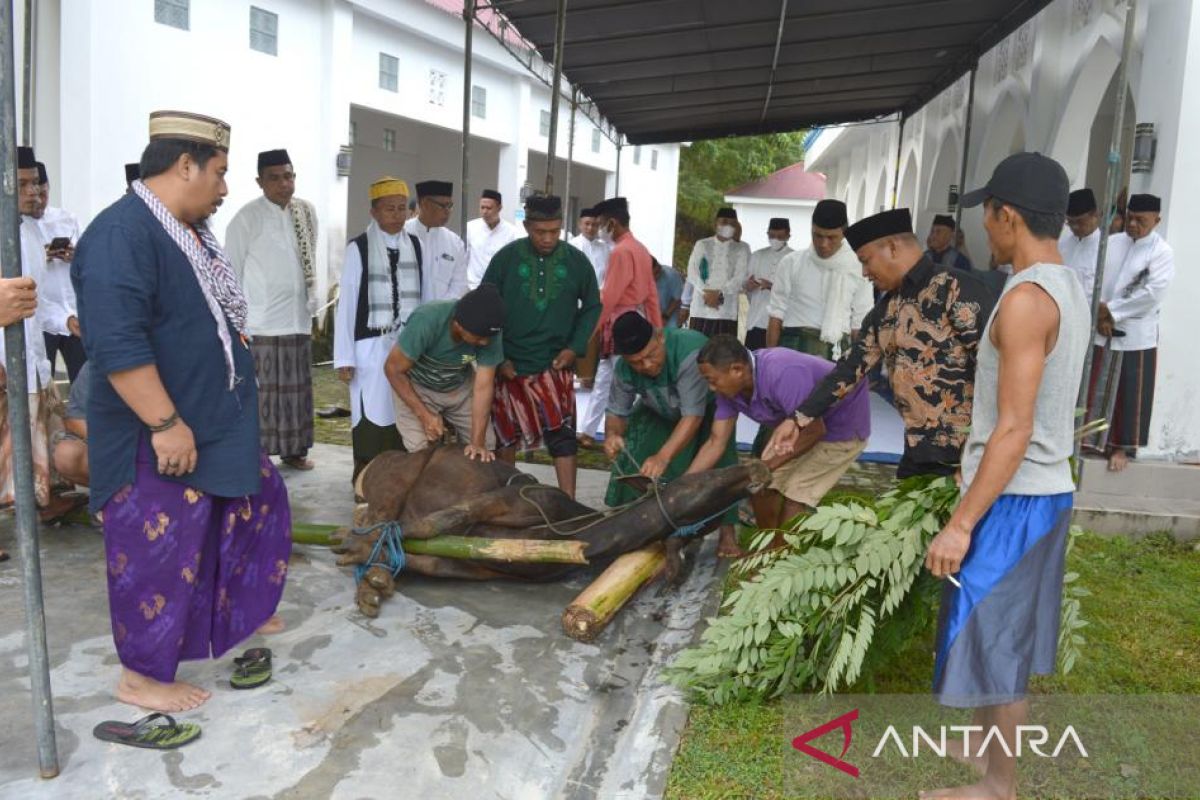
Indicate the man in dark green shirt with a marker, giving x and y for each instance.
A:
(442, 369)
(553, 304)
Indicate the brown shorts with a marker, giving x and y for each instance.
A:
(807, 478)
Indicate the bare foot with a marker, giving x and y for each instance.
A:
(299, 462)
(274, 624)
(959, 752)
(727, 545)
(140, 690)
(1117, 461)
(976, 791)
(59, 506)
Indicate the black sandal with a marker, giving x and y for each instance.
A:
(146, 734)
(252, 669)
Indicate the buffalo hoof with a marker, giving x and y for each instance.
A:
(368, 600)
(380, 579)
(673, 572)
(355, 548)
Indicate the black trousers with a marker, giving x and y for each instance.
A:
(71, 348)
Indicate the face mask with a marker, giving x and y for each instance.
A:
(725, 231)
(776, 244)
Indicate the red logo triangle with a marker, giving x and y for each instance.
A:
(843, 722)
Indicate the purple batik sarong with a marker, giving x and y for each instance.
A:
(189, 574)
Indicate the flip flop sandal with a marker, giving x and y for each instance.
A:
(147, 734)
(252, 669)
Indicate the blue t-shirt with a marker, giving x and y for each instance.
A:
(670, 287)
(139, 304)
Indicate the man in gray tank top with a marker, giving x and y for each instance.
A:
(1005, 544)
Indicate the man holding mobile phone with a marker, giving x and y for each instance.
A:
(57, 230)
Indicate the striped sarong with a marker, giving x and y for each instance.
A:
(283, 365)
(527, 407)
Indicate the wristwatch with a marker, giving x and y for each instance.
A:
(800, 419)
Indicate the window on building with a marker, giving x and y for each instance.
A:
(544, 124)
(389, 140)
(389, 72)
(653, 159)
(479, 102)
(437, 87)
(596, 140)
(172, 12)
(353, 133)
(637, 154)
(264, 31)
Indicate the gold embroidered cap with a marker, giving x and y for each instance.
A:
(189, 127)
(387, 187)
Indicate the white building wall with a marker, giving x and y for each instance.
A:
(1041, 90)
(755, 213)
(104, 65)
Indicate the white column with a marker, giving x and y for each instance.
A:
(330, 190)
(514, 157)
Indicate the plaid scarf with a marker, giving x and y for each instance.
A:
(216, 277)
(393, 293)
(304, 222)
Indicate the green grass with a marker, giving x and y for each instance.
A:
(329, 391)
(1143, 637)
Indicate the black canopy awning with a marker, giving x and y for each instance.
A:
(678, 70)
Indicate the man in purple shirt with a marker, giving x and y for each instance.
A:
(768, 386)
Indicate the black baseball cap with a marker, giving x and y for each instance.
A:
(1027, 180)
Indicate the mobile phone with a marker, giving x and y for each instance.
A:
(60, 243)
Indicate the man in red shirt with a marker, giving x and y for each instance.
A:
(628, 286)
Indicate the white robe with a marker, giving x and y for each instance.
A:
(261, 244)
(597, 253)
(1080, 256)
(33, 264)
(803, 287)
(56, 295)
(369, 388)
(727, 265)
(1136, 277)
(764, 264)
(443, 262)
(483, 243)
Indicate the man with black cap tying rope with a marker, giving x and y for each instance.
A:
(443, 370)
(660, 411)
(552, 304)
(272, 245)
(925, 329)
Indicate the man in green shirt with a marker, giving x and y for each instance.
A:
(660, 410)
(443, 367)
(553, 304)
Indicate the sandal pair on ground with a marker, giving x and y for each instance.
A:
(161, 732)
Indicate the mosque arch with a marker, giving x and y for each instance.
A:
(945, 172)
(881, 200)
(1085, 95)
(1002, 135)
(860, 202)
(907, 197)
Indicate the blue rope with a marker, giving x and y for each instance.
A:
(688, 531)
(391, 538)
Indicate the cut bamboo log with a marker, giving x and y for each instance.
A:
(594, 608)
(526, 551)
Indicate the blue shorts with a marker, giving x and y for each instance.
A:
(1002, 625)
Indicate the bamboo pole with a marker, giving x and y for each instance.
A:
(589, 613)
(525, 551)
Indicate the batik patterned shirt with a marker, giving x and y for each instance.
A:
(927, 334)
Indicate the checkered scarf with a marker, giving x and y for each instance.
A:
(216, 277)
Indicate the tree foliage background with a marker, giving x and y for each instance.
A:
(709, 169)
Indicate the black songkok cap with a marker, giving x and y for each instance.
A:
(543, 207)
(631, 333)
(481, 311)
(25, 158)
(613, 205)
(830, 214)
(1026, 180)
(1143, 202)
(1081, 201)
(779, 223)
(132, 172)
(726, 213)
(587, 212)
(435, 189)
(43, 177)
(945, 220)
(885, 223)
(491, 194)
(273, 158)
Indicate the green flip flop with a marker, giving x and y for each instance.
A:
(148, 732)
(252, 669)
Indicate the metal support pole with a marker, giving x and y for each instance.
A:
(966, 145)
(18, 416)
(570, 157)
(617, 188)
(554, 92)
(27, 78)
(464, 204)
(1112, 186)
(899, 155)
